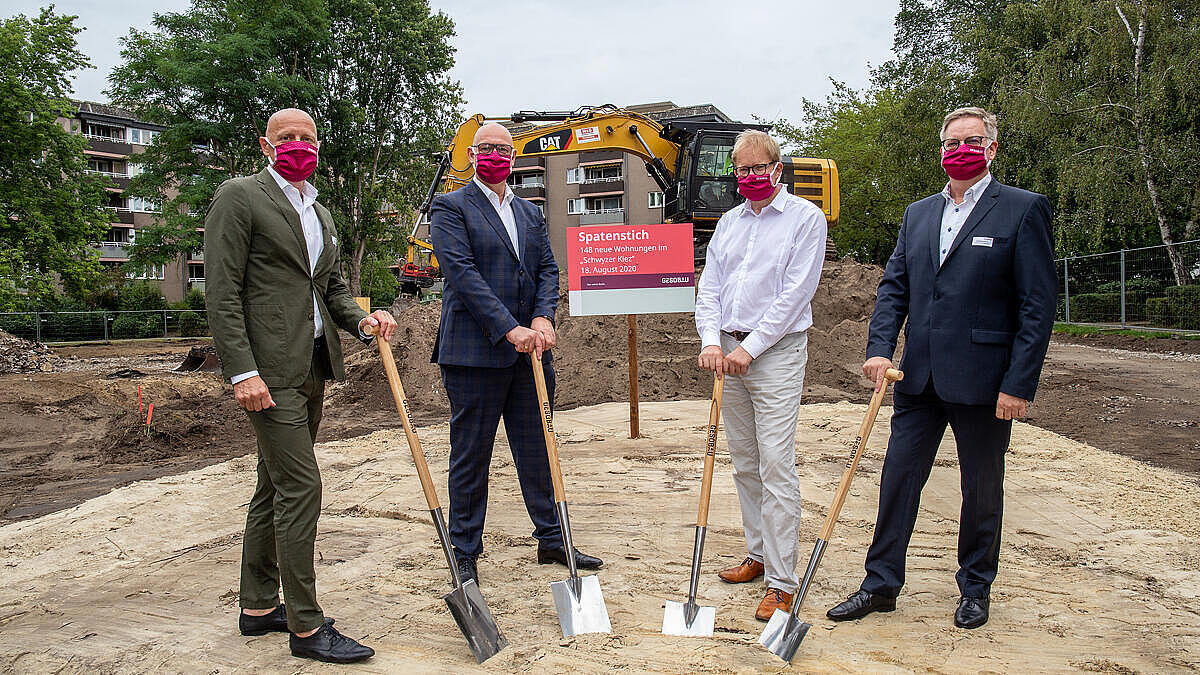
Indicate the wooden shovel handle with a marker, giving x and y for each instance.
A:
(856, 450)
(547, 415)
(414, 444)
(710, 450)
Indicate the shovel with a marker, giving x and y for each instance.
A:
(578, 600)
(689, 619)
(466, 603)
(785, 632)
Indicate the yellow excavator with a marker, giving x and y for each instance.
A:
(689, 160)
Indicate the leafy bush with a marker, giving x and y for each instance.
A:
(1096, 307)
(141, 296)
(1184, 303)
(21, 325)
(127, 326)
(192, 324)
(1150, 287)
(194, 299)
(1158, 312)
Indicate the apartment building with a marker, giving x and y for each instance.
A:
(115, 139)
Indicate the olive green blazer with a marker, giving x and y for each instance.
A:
(258, 289)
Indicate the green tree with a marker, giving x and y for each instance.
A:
(371, 72)
(53, 210)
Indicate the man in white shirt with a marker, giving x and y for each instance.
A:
(753, 312)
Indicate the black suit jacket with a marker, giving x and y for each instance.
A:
(980, 322)
(489, 290)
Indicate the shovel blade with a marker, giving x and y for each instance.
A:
(475, 621)
(783, 634)
(675, 620)
(583, 612)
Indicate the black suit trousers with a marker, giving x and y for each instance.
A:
(918, 425)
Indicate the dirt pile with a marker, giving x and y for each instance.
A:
(22, 356)
(591, 359)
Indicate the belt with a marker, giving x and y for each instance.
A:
(739, 335)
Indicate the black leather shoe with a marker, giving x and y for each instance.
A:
(329, 646)
(859, 605)
(971, 612)
(467, 569)
(276, 621)
(556, 555)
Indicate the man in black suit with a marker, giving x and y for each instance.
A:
(973, 273)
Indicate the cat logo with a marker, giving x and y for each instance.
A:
(552, 142)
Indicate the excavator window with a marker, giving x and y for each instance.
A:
(713, 186)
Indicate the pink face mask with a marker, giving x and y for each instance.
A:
(757, 188)
(295, 160)
(965, 162)
(493, 167)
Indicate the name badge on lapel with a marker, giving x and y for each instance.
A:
(982, 241)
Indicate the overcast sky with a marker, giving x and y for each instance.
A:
(749, 58)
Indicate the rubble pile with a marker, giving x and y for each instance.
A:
(22, 356)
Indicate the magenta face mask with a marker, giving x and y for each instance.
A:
(757, 188)
(493, 167)
(295, 160)
(965, 162)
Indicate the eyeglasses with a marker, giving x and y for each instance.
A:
(488, 148)
(757, 169)
(975, 141)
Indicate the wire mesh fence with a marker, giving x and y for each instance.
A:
(105, 325)
(1154, 287)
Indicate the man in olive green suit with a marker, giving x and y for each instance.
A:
(274, 296)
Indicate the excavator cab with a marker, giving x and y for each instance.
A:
(705, 186)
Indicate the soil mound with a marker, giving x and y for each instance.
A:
(590, 361)
(18, 355)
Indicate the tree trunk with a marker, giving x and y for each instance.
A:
(1139, 44)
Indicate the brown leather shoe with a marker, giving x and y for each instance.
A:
(749, 570)
(775, 599)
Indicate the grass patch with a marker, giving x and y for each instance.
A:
(1078, 329)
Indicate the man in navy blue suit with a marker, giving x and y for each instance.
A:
(973, 273)
(501, 292)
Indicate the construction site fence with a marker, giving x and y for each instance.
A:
(103, 326)
(1156, 287)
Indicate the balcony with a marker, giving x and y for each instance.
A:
(114, 249)
(529, 163)
(108, 145)
(124, 215)
(119, 179)
(530, 190)
(196, 256)
(602, 216)
(605, 186)
(600, 157)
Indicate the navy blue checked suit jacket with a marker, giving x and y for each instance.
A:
(979, 323)
(488, 290)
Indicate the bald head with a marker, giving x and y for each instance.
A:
(293, 119)
(493, 133)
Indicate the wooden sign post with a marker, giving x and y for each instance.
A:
(634, 432)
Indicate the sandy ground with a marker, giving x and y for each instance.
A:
(1098, 569)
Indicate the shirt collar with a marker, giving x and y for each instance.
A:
(779, 203)
(492, 196)
(973, 192)
(309, 192)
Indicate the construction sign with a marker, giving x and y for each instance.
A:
(631, 269)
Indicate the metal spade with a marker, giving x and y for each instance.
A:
(466, 603)
(687, 618)
(578, 600)
(785, 631)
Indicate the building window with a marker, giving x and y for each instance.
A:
(195, 272)
(142, 136)
(135, 168)
(530, 179)
(151, 272)
(541, 208)
(104, 131)
(602, 174)
(654, 200)
(613, 204)
(143, 204)
(574, 207)
(574, 175)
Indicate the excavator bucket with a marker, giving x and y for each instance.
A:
(200, 360)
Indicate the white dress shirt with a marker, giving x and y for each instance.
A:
(955, 215)
(505, 210)
(761, 272)
(311, 224)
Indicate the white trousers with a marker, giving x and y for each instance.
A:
(760, 410)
